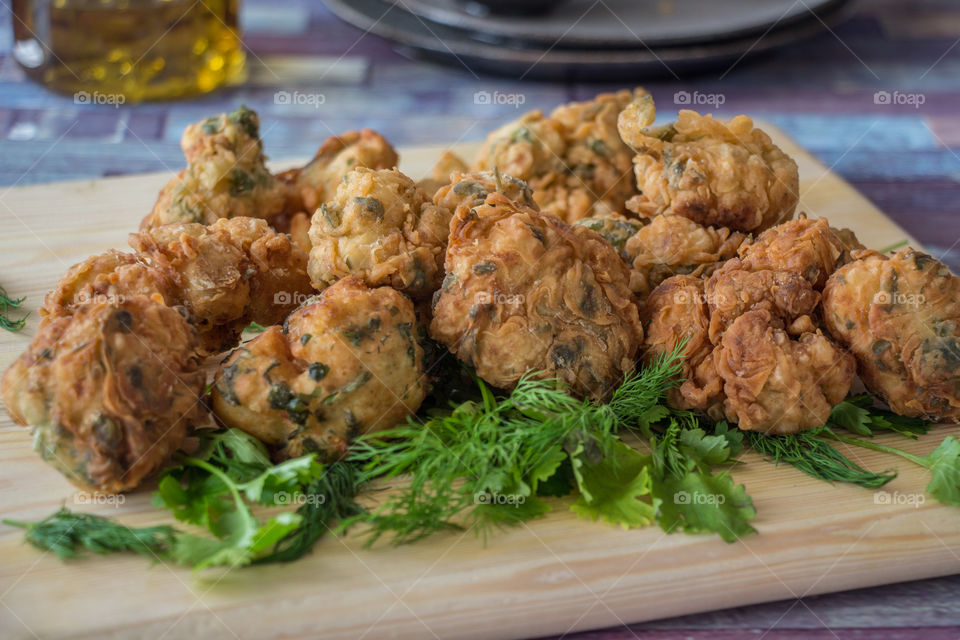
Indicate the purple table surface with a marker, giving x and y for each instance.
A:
(822, 92)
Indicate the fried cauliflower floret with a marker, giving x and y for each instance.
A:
(468, 190)
(723, 174)
(109, 391)
(676, 313)
(900, 317)
(810, 247)
(345, 364)
(753, 353)
(672, 245)
(448, 164)
(310, 186)
(525, 292)
(226, 175)
(381, 228)
(573, 159)
(775, 383)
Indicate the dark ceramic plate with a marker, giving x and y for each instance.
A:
(481, 53)
(621, 23)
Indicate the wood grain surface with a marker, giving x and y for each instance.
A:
(556, 575)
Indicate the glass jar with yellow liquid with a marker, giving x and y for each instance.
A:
(138, 49)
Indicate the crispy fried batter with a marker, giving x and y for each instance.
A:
(676, 312)
(811, 248)
(448, 164)
(224, 276)
(468, 190)
(733, 291)
(109, 391)
(900, 316)
(672, 245)
(525, 292)
(308, 187)
(573, 160)
(382, 228)
(615, 229)
(753, 353)
(776, 384)
(345, 364)
(109, 276)
(715, 173)
(226, 175)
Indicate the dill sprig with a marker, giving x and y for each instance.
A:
(490, 462)
(943, 463)
(812, 452)
(817, 458)
(66, 533)
(6, 305)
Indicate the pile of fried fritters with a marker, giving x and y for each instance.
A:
(576, 245)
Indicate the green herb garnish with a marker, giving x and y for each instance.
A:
(490, 462)
(6, 305)
(943, 464)
(66, 533)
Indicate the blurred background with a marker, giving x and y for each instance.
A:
(94, 88)
(871, 88)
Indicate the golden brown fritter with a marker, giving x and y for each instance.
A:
(676, 312)
(776, 383)
(468, 190)
(223, 277)
(573, 159)
(344, 364)
(900, 316)
(310, 186)
(810, 247)
(525, 292)
(753, 353)
(448, 164)
(672, 245)
(109, 391)
(733, 291)
(381, 228)
(226, 175)
(724, 174)
(109, 276)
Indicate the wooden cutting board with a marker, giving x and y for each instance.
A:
(558, 574)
